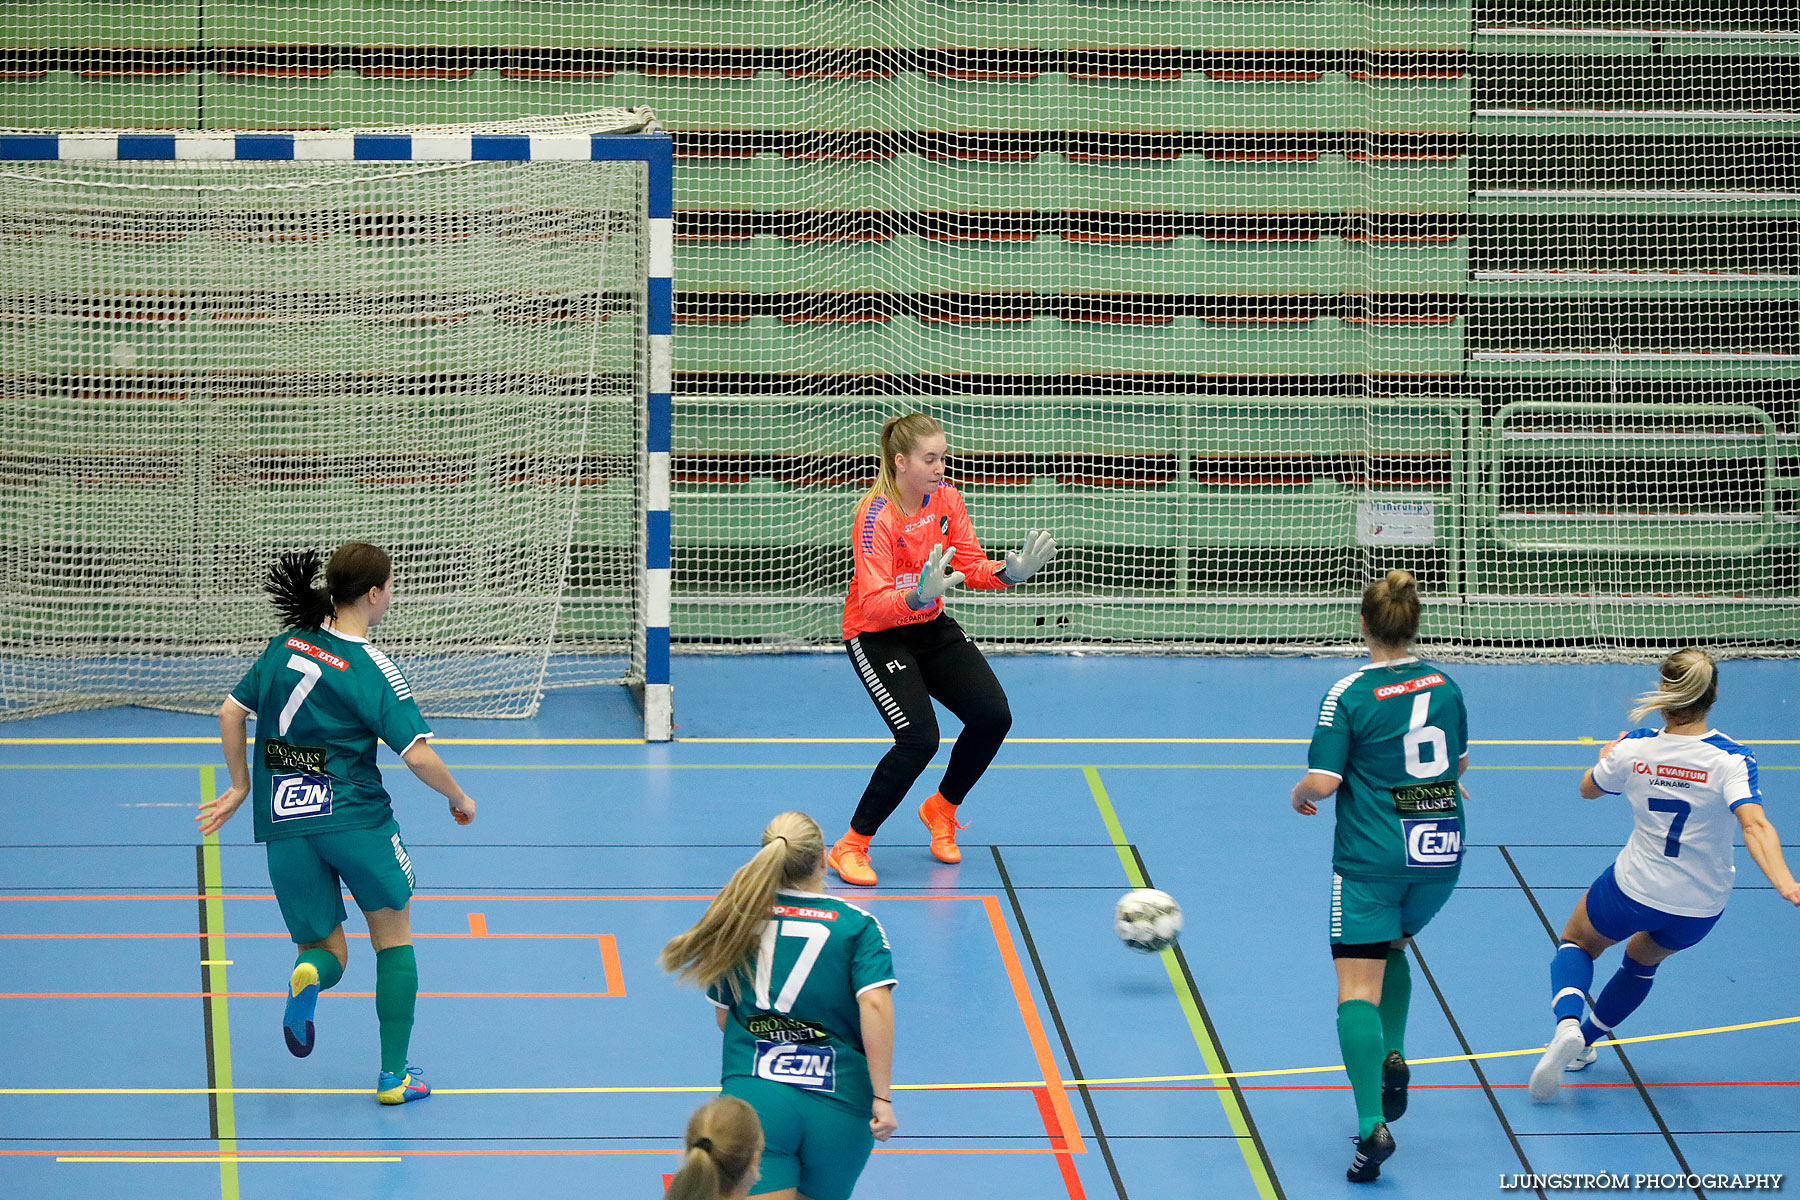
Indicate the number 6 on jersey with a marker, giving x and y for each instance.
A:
(1419, 735)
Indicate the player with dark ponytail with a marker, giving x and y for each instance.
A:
(322, 696)
(1392, 742)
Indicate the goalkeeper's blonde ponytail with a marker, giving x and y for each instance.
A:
(898, 436)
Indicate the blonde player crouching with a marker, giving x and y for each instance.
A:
(1668, 886)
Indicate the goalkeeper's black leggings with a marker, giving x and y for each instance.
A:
(904, 670)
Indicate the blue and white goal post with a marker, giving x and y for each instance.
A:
(534, 326)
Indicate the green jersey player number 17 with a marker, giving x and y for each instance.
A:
(802, 985)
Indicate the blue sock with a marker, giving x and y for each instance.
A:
(1571, 975)
(1620, 998)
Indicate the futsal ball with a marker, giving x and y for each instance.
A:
(1147, 920)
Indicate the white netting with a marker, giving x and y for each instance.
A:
(203, 364)
(1246, 301)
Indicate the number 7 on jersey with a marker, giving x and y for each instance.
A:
(815, 936)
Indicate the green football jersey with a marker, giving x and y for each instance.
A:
(1394, 734)
(321, 700)
(795, 1020)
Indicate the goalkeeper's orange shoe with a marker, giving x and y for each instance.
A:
(939, 816)
(850, 859)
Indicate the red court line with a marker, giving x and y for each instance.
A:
(1417, 1087)
(1070, 1134)
(1064, 1163)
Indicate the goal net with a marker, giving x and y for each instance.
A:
(1246, 301)
(215, 348)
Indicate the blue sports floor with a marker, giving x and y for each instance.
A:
(141, 972)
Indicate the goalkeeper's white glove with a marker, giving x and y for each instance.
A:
(1027, 561)
(936, 577)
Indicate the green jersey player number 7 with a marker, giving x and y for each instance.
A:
(323, 696)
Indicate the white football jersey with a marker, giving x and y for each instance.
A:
(1682, 788)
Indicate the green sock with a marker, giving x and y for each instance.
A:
(396, 994)
(1396, 995)
(1359, 1037)
(330, 970)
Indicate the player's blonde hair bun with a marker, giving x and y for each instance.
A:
(1390, 606)
(1689, 685)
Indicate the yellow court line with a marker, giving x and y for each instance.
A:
(1014, 1084)
(824, 741)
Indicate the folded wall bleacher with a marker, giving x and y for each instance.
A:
(1246, 301)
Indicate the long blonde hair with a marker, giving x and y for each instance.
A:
(898, 436)
(1391, 608)
(718, 946)
(1689, 685)
(723, 1140)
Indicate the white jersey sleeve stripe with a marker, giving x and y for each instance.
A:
(1328, 710)
(390, 672)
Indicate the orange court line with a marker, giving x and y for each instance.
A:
(1034, 1029)
(190, 935)
(477, 925)
(498, 1152)
(190, 897)
(609, 964)
(606, 995)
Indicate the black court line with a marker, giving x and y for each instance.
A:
(1218, 1043)
(1631, 1071)
(1062, 1031)
(205, 927)
(1480, 1075)
(1654, 1133)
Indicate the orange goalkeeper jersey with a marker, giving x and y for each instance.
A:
(890, 549)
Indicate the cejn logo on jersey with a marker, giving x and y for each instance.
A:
(300, 796)
(1432, 843)
(1411, 685)
(811, 1067)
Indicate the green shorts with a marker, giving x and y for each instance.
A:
(309, 875)
(1383, 910)
(808, 1143)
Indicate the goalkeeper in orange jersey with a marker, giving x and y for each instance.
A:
(913, 542)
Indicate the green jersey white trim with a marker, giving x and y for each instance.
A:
(1393, 735)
